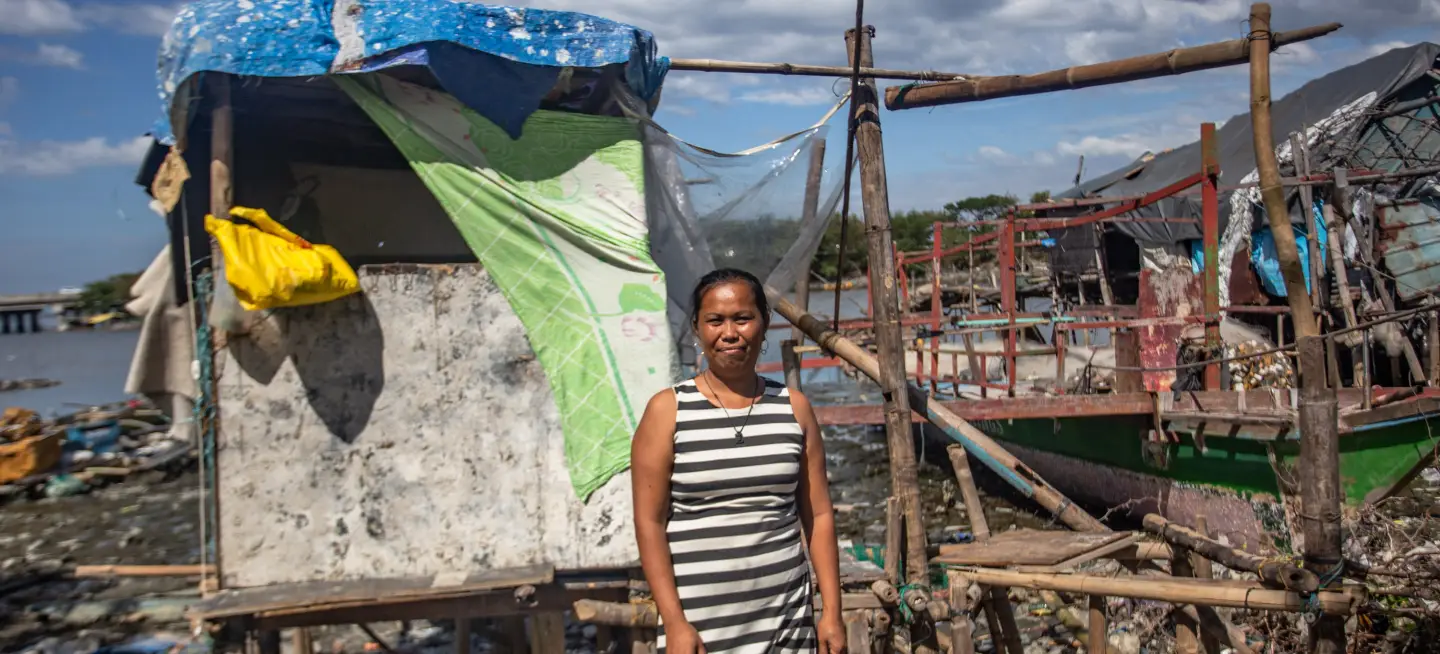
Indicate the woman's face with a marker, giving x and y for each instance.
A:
(730, 327)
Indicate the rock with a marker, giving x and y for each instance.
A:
(1431, 475)
(1124, 643)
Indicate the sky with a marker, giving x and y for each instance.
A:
(77, 97)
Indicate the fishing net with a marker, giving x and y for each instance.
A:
(708, 209)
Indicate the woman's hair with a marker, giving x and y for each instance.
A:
(726, 276)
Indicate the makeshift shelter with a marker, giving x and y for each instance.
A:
(1339, 116)
(525, 237)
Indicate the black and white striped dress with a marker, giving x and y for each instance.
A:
(734, 530)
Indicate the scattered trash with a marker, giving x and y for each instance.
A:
(65, 486)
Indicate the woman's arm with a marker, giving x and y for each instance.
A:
(817, 515)
(652, 456)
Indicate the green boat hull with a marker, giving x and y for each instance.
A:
(1111, 463)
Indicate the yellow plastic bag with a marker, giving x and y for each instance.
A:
(269, 266)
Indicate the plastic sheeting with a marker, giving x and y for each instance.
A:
(1267, 262)
(557, 219)
(513, 51)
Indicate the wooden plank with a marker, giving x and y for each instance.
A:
(1029, 547)
(324, 594)
(1116, 547)
(491, 604)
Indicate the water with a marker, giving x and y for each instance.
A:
(91, 367)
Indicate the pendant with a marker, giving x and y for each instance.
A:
(739, 438)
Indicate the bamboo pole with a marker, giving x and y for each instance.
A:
(904, 478)
(1159, 64)
(962, 628)
(615, 614)
(866, 72)
(1320, 485)
(1175, 591)
(807, 216)
(1336, 227)
(1274, 573)
(1260, 43)
(984, 448)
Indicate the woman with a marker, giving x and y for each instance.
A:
(728, 468)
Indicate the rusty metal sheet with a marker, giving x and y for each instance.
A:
(1410, 246)
(1177, 294)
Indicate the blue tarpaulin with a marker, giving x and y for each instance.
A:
(499, 60)
(1263, 258)
(1267, 264)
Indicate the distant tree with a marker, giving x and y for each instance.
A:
(1039, 196)
(109, 294)
(980, 207)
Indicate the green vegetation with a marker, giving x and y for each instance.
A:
(109, 294)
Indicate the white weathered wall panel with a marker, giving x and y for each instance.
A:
(408, 430)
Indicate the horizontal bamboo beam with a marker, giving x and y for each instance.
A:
(1159, 64)
(1272, 572)
(1199, 592)
(719, 66)
(980, 446)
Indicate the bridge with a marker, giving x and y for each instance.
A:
(21, 313)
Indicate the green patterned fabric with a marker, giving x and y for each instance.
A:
(558, 220)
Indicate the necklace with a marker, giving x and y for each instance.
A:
(739, 431)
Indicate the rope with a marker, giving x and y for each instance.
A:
(1312, 600)
(906, 615)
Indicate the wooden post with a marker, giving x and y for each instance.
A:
(1100, 627)
(1434, 338)
(1210, 223)
(857, 631)
(222, 139)
(1205, 570)
(997, 601)
(904, 480)
(301, 642)
(807, 216)
(1300, 154)
(1336, 227)
(548, 633)
(512, 638)
(1187, 641)
(790, 359)
(1007, 297)
(1127, 355)
(1320, 483)
(462, 635)
(937, 305)
(1276, 212)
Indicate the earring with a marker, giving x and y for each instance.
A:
(764, 347)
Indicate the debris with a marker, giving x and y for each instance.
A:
(26, 384)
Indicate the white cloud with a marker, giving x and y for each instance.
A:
(137, 19)
(993, 153)
(1382, 48)
(59, 56)
(1129, 145)
(795, 97)
(39, 17)
(65, 157)
(32, 17)
(9, 90)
